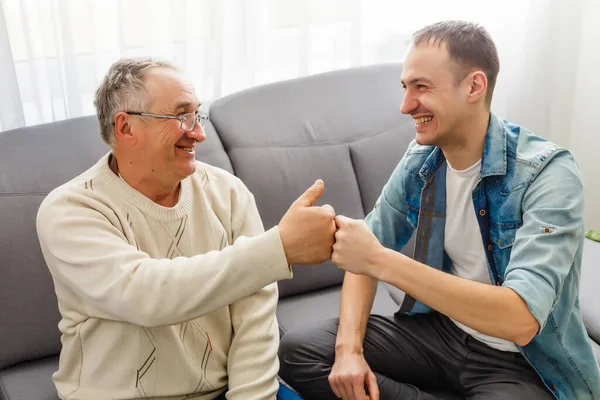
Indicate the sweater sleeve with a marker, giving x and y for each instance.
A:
(252, 362)
(87, 252)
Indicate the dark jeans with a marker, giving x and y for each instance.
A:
(413, 357)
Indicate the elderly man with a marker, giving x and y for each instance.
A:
(164, 275)
(491, 308)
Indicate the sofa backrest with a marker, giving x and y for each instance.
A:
(344, 127)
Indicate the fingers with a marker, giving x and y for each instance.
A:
(372, 386)
(312, 194)
(358, 386)
(341, 221)
(345, 390)
(333, 385)
(337, 386)
(342, 387)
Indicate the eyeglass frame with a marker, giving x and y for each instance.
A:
(201, 117)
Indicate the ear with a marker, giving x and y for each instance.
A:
(477, 86)
(123, 128)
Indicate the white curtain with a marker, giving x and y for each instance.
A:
(53, 53)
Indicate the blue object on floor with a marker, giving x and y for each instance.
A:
(285, 393)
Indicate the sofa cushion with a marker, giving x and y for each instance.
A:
(589, 296)
(310, 308)
(30, 380)
(37, 159)
(28, 310)
(283, 174)
(283, 136)
(375, 157)
(33, 161)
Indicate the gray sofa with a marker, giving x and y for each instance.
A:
(344, 127)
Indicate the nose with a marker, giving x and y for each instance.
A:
(198, 133)
(409, 103)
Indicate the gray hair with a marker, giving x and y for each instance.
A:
(123, 89)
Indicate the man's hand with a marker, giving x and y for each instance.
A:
(349, 376)
(307, 232)
(356, 248)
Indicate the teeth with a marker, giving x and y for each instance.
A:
(420, 121)
(188, 149)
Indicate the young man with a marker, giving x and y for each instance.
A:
(163, 272)
(491, 308)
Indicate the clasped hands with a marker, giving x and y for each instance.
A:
(313, 234)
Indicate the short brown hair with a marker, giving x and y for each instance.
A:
(469, 45)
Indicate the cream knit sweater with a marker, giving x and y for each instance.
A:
(162, 303)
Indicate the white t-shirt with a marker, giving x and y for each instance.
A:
(463, 243)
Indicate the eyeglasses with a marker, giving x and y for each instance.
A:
(188, 121)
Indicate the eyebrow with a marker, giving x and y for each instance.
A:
(184, 105)
(418, 79)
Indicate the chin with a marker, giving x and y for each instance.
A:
(189, 171)
(425, 140)
(186, 170)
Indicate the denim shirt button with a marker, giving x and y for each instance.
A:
(482, 212)
(554, 387)
(490, 247)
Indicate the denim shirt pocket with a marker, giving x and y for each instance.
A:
(503, 237)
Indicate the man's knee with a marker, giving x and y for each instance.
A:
(290, 357)
(288, 345)
(301, 350)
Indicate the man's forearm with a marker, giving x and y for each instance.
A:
(358, 293)
(493, 310)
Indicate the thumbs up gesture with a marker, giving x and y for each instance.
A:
(307, 232)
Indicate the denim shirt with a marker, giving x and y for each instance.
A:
(529, 206)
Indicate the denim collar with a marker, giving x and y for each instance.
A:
(493, 161)
(494, 153)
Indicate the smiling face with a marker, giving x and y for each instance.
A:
(436, 96)
(159, 147)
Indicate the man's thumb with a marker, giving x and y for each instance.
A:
(308, 198)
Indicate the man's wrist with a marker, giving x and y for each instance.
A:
(348, 347)
(348, 341)
(379, 263)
